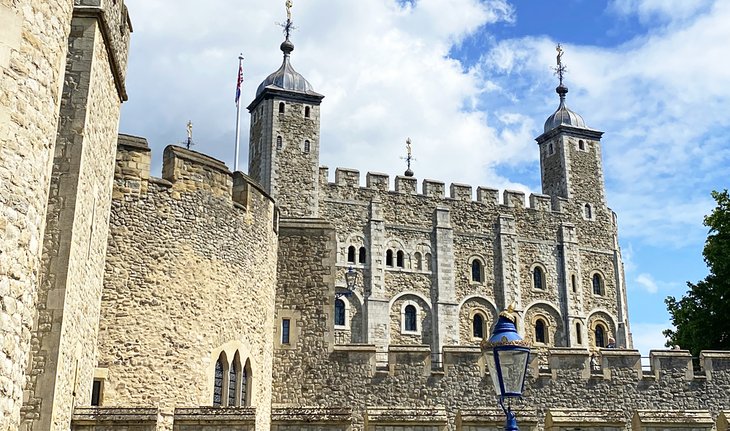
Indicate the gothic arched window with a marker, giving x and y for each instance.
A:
(478, 326)
(410, 318)
(600, 336)
(540, 335)
(538, 278)
(597, 284)
(339, 312)
(351, 254)
(233, 375)
(361, 257)
(218, 382)
(246, 376)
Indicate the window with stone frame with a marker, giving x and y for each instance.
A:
(477, 271)
(218, 381)
(340, 312)
(598, 284)
(540, 332)
(246, 384)
(285, 330)
(281, 107)
(279, 143)
(234, 374)
(578, 334)
(574, 283)
(307, 146)
(400, 259)
(351, 254)
(588, 212)
(418, 261)
(477, 326)
(306, 112)
(361, 255)
(600, 336)
(389, 258)
(538, 278)
(410, 314)
(429, 264)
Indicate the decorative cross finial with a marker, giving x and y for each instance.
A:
(189, 142)
(560, 69)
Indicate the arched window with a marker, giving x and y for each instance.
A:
(218, 383)
(389, 258)
(578, 334)
(428, 261)
(361, 257)
(279, 143)
(306, 146)
(246, 386)
(306, 112)
(233, 375)
(418, 261)
(281, 107)
(410, 318)
(588, 211)
(550, 148)
(538, 278)
(478, 326)
(476, 270)
(399, 259)
(597, 284)
(351, 254)
(339, 312)
(600, 336)
(581, 145)
(574, 283)
(540, 335)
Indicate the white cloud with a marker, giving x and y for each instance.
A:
(668, 10)
(648, 336)
(647, 283)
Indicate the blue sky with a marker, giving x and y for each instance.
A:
(470, 82)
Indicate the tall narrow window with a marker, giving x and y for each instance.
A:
(588, 211)
(279, 143)
(351, 254)
(600, 334)
(389, 258)
(339, 312)
(281, 107)
(285, 327)
(418, 260)
(96, 392)
(428, 261)
(574, 283)
(538, 281)
(246, 384)
(410, 318)
(550, 148)
(476, 271)
(306, 112)
(361, 256)
(581, 145)
(399, 259)
(540, 331)
(597, 284)
(578, 334)
(218, 383)
(233, 381)
(306, 146)
(478, 326)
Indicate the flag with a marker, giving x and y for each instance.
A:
(240, 81)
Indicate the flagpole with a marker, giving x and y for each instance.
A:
(238, 112)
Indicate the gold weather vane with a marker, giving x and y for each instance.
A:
(560, 69)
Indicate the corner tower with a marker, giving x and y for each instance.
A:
(570, 155)
(284, 138)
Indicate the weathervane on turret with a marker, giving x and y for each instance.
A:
(189, 143)
(289, 26)
(409, 157)
(560, 69)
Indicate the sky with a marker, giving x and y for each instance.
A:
(471, 83)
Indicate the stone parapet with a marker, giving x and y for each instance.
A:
(377, 416)
(293, 416)
(114, 418)
(189, 170)
(671, 362)
(659, 420)
(570, 419)
(214, 418)
(409, 358)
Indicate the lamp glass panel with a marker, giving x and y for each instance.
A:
(513, 364)
(492, 365)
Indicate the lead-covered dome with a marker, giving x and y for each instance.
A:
(286, 78)
(564, 116)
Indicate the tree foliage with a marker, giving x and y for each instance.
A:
(702, 316)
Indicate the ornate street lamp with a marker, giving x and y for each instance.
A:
(351, 277)
(507, 358)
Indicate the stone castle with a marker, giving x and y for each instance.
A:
(216, 300)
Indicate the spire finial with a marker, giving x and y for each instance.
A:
(409, 157)
(560, 70)
(287, 47)
(189, 143)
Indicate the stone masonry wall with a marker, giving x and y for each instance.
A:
(190, 273)
(33, 44)
(64, 336)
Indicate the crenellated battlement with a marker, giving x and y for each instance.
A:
(183, 171)
(432, 189)
(609, 364)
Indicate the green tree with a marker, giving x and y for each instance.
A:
(702, 316)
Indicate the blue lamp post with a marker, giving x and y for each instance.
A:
(507, 357)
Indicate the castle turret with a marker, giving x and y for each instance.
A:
(284, 138)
